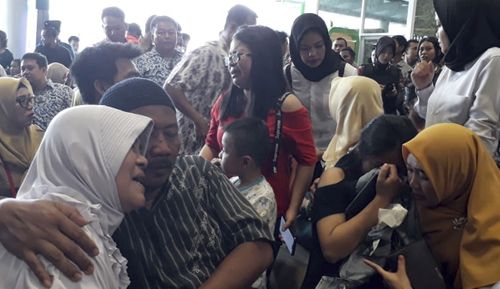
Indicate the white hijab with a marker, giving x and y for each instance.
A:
(80, 155)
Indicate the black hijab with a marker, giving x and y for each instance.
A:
(303, 24)
(383, 43)
(472, 26)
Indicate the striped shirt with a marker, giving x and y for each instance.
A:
(193, 225)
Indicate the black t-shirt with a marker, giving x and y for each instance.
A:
(334, 199)
(55, 54)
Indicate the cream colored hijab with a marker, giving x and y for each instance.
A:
(467, 184)
(17, 145)
(80, 155)
(354, 101)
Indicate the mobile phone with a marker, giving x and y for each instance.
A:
(287, 237)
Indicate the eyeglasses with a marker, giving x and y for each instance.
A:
(25, 100)
(235, 57)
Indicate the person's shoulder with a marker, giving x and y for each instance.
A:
(492, 54)
(186, 162)
(291, 103)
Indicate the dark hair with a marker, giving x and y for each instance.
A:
(40, 59)
(99, 63)
(113, 12)
(412, 41)
(401, 40)
(54, 24)
(185, 36)
(134, 29)
(437, 47)
(3, 39)
(343, 39)
(384, 133)
(282, 36)
(51, 31)
(239, 15)
(147, 28)
(349, 49)
(73, 38)
(251, 137)
(268, 82)
(162, 19)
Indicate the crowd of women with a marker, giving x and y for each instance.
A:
(434, 148)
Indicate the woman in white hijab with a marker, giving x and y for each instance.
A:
(91, 157)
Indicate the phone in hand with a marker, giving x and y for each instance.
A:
(287, 237)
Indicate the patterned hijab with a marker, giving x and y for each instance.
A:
(80, 155)
(472, 26)
(467, 184)
(17, 146)
(354, 101)
(303, 24)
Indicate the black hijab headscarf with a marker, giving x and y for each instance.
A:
(472, 26)
(383, 43)
(303, 24)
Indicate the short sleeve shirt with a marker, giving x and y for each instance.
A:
(54, 98)
(153, 66)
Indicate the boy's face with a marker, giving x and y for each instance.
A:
(231, 162)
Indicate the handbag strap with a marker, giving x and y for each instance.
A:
(12, 188)
(277, 129)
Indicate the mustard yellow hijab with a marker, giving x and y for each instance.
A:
(17, 146)
(354, 101)
(467, 184)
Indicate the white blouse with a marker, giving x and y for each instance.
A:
(315, 97)
(470, 98)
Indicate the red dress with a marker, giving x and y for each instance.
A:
(296, 140)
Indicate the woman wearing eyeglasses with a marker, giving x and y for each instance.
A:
(260, 90)
(19, 138)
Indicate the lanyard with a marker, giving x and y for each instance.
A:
(278, 128)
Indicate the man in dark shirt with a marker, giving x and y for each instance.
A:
(51, 49)
(198, 231)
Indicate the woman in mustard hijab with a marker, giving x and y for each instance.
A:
(456, 185)
(19, 138)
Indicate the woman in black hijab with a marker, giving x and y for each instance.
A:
(314, 65)
(467, 91)
(388, 76)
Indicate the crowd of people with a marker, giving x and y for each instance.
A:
(135, 164)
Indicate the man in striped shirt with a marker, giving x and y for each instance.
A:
(197, 230)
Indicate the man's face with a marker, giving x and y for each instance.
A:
(411, 52)
(164, 145)
(48, 39)
(165, 36)
(114, 28)
(338, 45)
(346, 55)
(32, 72)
